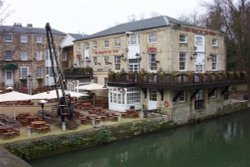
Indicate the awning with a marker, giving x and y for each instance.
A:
(11, 66)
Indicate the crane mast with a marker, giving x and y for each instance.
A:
(59, 80)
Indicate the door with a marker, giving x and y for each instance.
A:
(9, 81)
(152, 102)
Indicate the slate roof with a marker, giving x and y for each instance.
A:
(77, 36)
(155, 22)
(28, 30)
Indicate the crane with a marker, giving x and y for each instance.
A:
(64, 108)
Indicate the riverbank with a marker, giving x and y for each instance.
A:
(81, 139)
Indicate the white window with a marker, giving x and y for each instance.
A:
(117, 95)
(95, 60)
(214, 62)
(133, 39)
(152, 62)
(183, 38)
(8, 55)
(106, 44)
(24, 39)
(199, 40)
(39, 56)
(39, 72)
(182, 61)
(106, 60)
(94, 45)
(215, 42)
(117, 62)
(8, 38)
(133, 95)
(133, 65)
(152, 37)
(117, 42)
(39, 39)
(23, 72)
(24, 56)
(182, 97)
(49, 71)
(152, 94)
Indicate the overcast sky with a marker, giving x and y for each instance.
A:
(91, 16)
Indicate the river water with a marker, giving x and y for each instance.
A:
(221, 142)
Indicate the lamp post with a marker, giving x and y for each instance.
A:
(47, 81)
(29, 84)
(42, 102)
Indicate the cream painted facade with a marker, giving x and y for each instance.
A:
(173, 49)
(167, 47)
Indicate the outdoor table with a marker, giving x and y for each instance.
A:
(32, 118)
(37, 124)
(86, 105)
(5, 128)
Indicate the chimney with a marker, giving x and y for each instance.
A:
(17, 25)
(29, 25)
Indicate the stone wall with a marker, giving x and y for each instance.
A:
(9, 160)
(55, 144)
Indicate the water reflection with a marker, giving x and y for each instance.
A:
(210, 143)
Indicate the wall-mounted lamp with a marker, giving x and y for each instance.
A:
(123, 57)
(137, 55)
(210, 56)
(193, 56)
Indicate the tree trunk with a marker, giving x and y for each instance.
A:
(248, 85)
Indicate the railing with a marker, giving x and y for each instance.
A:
(176, 79)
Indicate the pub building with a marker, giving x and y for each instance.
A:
(160, 64)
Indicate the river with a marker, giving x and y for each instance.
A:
(220, 142)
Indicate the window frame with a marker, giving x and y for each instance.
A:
(21, 72)
(117, 62)
(214, 62)
(6, 39)
(39, 39)
(215, 42)
(106, 44)
(152, 64)
(133, 65)
(106, 60)
(184, 62)
(24, 56)
(152, 94)
(24, 38)
(152, 37)
(8, 55)
(117, 42)
(39, 73)
(181, 37)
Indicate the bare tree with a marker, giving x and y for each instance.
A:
(194, 18)
(233, 18)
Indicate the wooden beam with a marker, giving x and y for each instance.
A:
(145, 92)
(211, 92)
(225, 90)
(193, 95)
(162, 93)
